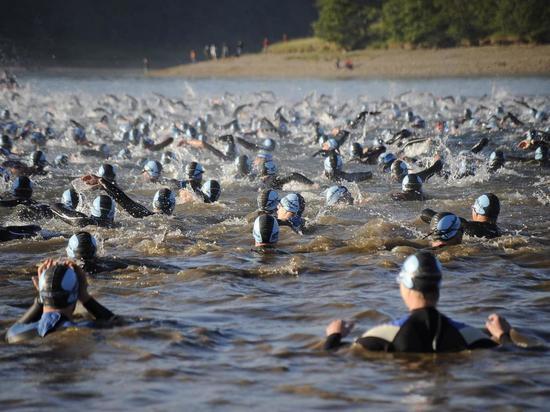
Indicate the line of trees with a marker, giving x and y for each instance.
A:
(355, 24)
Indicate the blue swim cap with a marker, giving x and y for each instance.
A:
(488, 205)
(22, 187)
(266, 229)
(153, 168)
(445, 226)
(71, 198)
(291, 203)
(103, 207)
(82, 245)
(268, 200)
(61, 160)
(58, 286)
(164, 201)
(212, 190)
(269, 145)
(38, 138)
(336, 194)
(268, 168)
(194, 171)
(386, 159)
(38, 158)
(332, 144)
(79, 134)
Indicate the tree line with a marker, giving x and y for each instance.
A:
(355, 24)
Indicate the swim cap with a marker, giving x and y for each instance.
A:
(144, 128)
(266, 229)
(194, 171)
(107, 172)
(268, 145)
(332, 144)
(291, 203)
(212, 190)
(201, 137)
(124, 154)
(411, 183)
(5, 114)
(333, 163)
(399, 169)
(38, 158)
(268, 167)
(164, 201)
(153, 168)
(496, 157)
(338, 194)
(38, 138)
(134, 137)
(22, 187)
(104, 148)
(70, 198)
(61, 160)
(268, 200)
(541, 153)
(167, 157)
(79, 135)
(244, 166)
(355, 150)
(409, 116)
(58, 286)
(301, 203)
(487, 205)
(386, 159)
(445, 226)
(82, 245)
(103, 207)
(421, 272)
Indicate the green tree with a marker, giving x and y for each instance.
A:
(348, 23)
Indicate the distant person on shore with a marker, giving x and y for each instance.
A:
(213, 52)
(240, 48)
(145, 65)
(285, 38)
(348, 64)
(206, 52)
(193, 56)
(225, 51)
(265, 44)
(337, 63)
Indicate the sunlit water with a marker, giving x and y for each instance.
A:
(230, 329)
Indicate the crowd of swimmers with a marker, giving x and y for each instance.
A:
(60, 285)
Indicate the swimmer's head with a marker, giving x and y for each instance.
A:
(164, 201)
(38, 159)
(333, 163)
(268, 200)
(107, 171)
(167, 157)
(212, 189)
(152, 170)
(399, 170)
(103, 207)
(58, 286)
(268, 168)
(289, 206)
(82, 245)
(71, 198)
(22, 188)
(330, 144)
(496, 159)
(486, 208)
(421, 272)
(194, 171)
(38, 139)
(541, 154)
(265, 231)
(356, 150)
(338, 195)
(244, 165)
(78, 134)
(446, 229)
(411, 183)
(61, 160)
(268, 145)
(385, 160)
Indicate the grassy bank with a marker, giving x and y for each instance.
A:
(314, 58)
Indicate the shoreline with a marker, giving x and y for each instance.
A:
(487, 61)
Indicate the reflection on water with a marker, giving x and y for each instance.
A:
(231, 329)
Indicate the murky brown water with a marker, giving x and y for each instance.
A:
(232, 330)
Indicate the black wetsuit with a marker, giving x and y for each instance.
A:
(423, 331)
(8, 233)
(338, 175)
(471, 228)
(408, 196)
(277, 183)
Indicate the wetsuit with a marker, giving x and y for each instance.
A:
(277, 183)
(430, 171)
(471, 228)
(423, 331)
(338, 175)
(32, 211)
(74, 218)
(8, 233)
(133, 208)
(35, 323)
(369, 157)
(408, 196)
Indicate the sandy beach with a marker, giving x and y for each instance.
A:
(517, 60)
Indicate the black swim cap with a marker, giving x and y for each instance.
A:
(39, 158)
(411, 183)
(487, 205)
(165, 201)
(399, 169)
(22, 187)
(58, 286)
(70, 198)
(244, 166)
(82, 245)
(194, 171)
(421, 272)
(356, 150)
(107, 172)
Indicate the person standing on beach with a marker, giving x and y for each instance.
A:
(225, 50)
(213, 52)
(265, 44)
(193, 56)
(240, 47)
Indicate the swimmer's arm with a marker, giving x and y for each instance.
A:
(335, 332)
(317, 153)
(500, 331)
(33, 314)
(214, 151)
(246, 144)
(133, 208)
(97, 310)
(427, 214)
(430, 171)
(297, 177)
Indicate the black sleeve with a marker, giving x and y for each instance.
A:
(426, 215)
(298, 177)
(246, 144)
(430, 171)
(97, 310)
(33, 314)
(333, 341)
(483, 344)
(215, 151)
(133, 208)
(374, 344)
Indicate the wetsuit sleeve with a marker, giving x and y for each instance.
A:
(476, 339)
(215, 151)
(32, 314)
(317, 153)
(374, 344)
(297, 177)
(342, 139)
(133, 208)
(97, 310)
(246, 144)
(430, 171)
(159, 146)
(427, 214)
(333, 341)
(355, 177)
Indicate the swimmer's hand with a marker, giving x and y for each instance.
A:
(197, 144)
(340, 326)
(90, 180)
(83, 295)
(498, 327)
(48, 263)
(525, 144)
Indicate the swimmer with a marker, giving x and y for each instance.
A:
(38, 163)
(268, 145)
(424, 329)
(338, 195)
(333, 165)
(365, 155)
(268, 202)
(102, 214)
(266, 233)
(60, 286)
(411, 189)
(229, 154)
(270, 180)
(244, 167)
(21, 193)
(333, 144)
(496, 161)
(8, 233)
(485, 211)
(289, 212)
(400, 169)
(446, 230)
